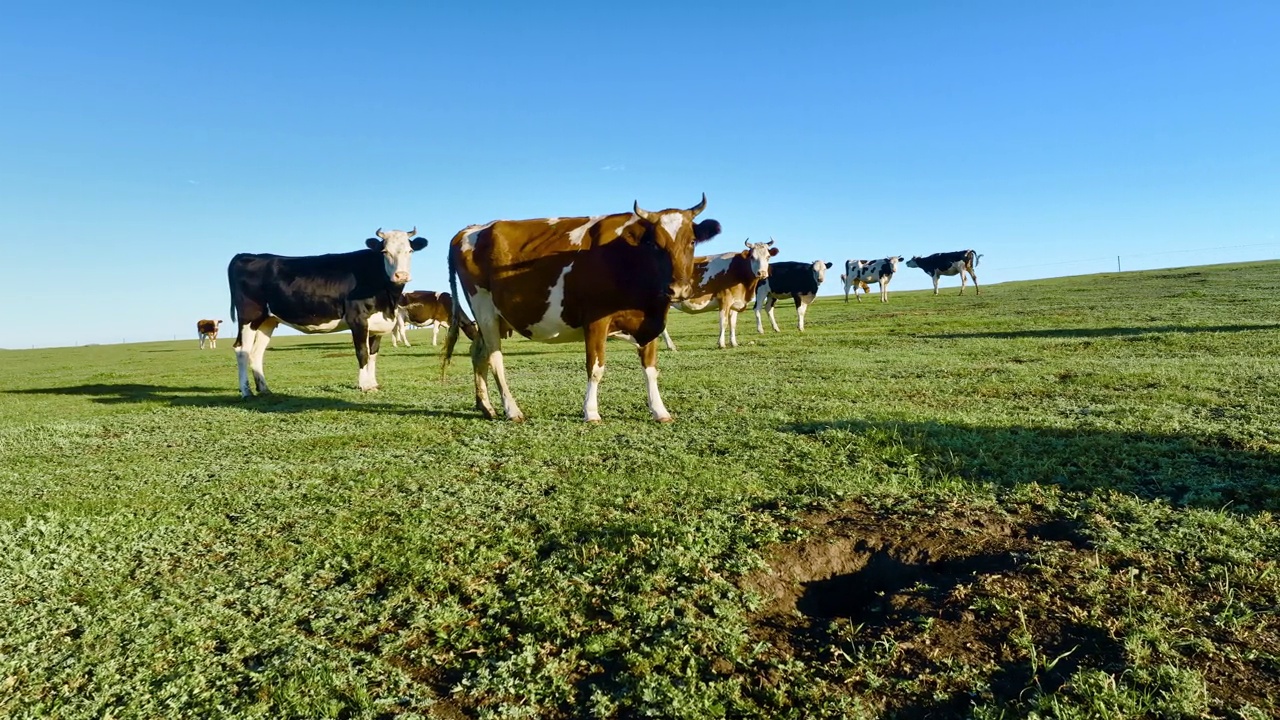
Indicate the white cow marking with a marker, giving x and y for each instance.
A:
(324, 327)
(671, 222)
(380, 324)
(577, 234)
(552, 327)
(627, 224)
(469, 238)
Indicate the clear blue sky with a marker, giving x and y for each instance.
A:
(143, 144)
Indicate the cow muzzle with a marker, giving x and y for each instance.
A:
(400, 278)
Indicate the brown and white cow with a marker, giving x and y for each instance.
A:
(427, 308)
(726, 283)
(207, 330)
(566, 279)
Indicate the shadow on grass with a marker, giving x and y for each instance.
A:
(1211, 472)
(1101, 332)
(201, 396)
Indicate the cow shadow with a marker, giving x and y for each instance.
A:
(1213, 471)
(1100, 332)
(219, 397)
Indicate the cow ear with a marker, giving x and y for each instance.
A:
(706, 230)
(746, 254)
(374, 244)
(418, 243)
(828, 266)
(773, 252)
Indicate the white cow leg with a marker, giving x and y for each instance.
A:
(773, 320)
(486, 354)
(666, 338)
(649, 360)
(722, 313)
(591, 406)
(733, 328)
(935, 284)
(508, 400)
(435, 334)
(260, 343)
(244, 351)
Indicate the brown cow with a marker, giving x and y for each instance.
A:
(726, 283)
(427, 308)
(207, 330)
(566, 279)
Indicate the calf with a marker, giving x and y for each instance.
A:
(427, 308)
(725, 283)
(851, 279)
(207, 330)
(581, 278)
(796, 280)
(948, 263)
(320, 294)
(872, 271)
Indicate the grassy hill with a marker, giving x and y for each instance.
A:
(1057, 497)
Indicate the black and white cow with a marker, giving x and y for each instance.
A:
(861, 273)
(796, 280)
(320, 294)
(948, 263)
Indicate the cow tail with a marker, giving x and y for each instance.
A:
(975, 257)
(231, 283)
(455, 312)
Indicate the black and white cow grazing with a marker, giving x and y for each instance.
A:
(861, 273)
(796, 280)
(320, 294)
(948, 263)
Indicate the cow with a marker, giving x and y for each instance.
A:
(426, 308)
(864, 272)
(725, 283)
(948, 263)
(320, 294)
(796, 280)
(852, 280)
(565, 279)
(207, 331)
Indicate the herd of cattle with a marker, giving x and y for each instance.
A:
(550, 280)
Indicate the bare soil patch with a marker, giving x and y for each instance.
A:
(928, 614)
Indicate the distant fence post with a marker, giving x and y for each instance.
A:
(1118, 264)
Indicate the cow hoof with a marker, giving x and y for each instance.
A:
(516, 418)
(665, 419)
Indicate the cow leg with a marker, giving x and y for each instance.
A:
(773, 320)
(884, 290)
(976, 291)
(761, 299)
(213, 341)
(244, 350)
(365, 379)
(935, 283)
(262, 338)
(596, 335)
(649, 360)
(486, 354)
(802, 304)
(666, 338)
(724, 312)
(435, 333)
(201, 341)
(375, 342)
(733, 328)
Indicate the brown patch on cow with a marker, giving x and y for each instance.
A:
(947, 606)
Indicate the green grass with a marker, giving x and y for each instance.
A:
(1058, 498)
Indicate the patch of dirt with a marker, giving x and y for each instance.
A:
(925, 614)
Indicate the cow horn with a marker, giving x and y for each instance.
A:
(413, 232)
(700, 206)
(770, 243)
(748, 242)
(379, 234)
(644, 214)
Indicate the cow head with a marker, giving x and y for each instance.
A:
(914, 262)
(675, 233)
(397, 248)
(758, 254)
(820, 270)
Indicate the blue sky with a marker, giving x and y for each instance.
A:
(143, 144)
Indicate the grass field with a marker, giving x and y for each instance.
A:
(1056, 498)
